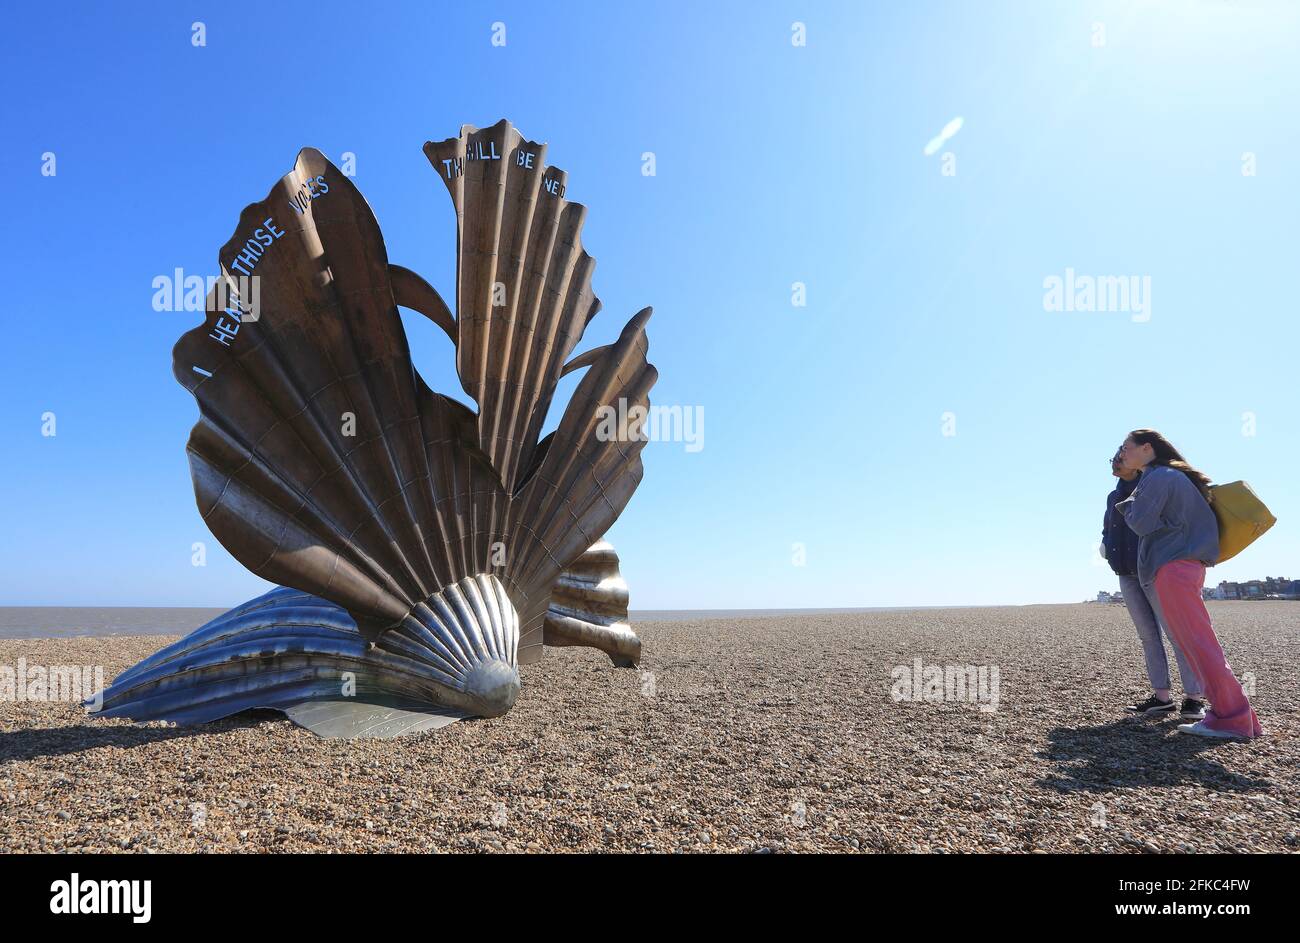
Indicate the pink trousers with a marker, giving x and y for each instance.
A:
(1178, 586)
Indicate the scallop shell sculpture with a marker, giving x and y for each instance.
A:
(425, 550)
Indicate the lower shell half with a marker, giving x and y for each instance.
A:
(454, 656)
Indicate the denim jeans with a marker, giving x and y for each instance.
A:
(1144, 609)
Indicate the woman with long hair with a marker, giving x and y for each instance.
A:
(1170, 512)
(1119, 545)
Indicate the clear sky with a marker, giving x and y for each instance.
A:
(1109, 139)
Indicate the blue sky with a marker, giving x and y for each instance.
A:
(1116, 152)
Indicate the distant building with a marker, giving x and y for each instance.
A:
(1277, 586)
(1270, 587)
(1104, 596)
(1226, 590)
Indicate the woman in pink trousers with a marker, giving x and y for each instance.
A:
(1179, 536)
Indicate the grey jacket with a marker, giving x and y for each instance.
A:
(1172, 519)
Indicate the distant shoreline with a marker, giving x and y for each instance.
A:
(55, 622)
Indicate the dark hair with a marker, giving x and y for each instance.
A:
(1169, 456)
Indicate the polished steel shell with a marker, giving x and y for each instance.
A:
(523, 300)
(454, 654)
(422, 540)
(589, 607)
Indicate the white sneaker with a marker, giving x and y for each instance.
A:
(1200, 730)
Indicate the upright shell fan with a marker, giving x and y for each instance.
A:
(422, 548)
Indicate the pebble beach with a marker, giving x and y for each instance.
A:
(810, 733)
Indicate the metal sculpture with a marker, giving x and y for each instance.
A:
(424, 550)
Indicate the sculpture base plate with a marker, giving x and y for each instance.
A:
(382, 719)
